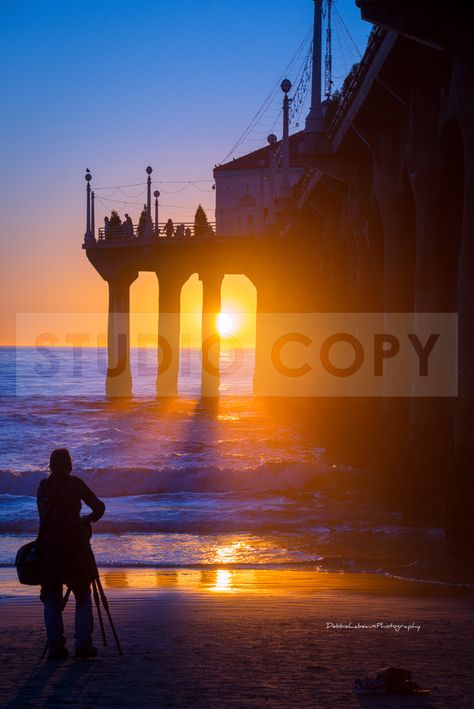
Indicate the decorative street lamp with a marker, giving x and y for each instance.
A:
(285, 190)
(148, 233)
(89, 238)
(156, 194)
(93, 214)
(272, 140)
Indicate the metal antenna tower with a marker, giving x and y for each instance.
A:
(328, 55)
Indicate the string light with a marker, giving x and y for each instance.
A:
(132, 196)
(119, 187)
(140, 204)
(353, 42)
(155, 184)
(302, 82)
(180, 189)
(270, 98)
(299, 100)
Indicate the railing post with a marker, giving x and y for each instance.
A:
(148, 233)
(89, 238)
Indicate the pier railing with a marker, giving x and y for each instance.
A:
(137, 232)
(349, 92)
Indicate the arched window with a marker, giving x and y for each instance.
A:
(247, 202)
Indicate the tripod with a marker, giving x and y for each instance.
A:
(99, 597)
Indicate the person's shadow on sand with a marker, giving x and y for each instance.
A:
(52, 683)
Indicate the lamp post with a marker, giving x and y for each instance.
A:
(272, 139)
(89, 237)
(148, 233)
(315, 122)
(93, 214)
(285, 190)
(156, 194)
(262, 197)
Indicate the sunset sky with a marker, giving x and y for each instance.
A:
(115, 86)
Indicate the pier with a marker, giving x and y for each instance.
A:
(380, 219)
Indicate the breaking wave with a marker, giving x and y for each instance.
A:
(118, 482)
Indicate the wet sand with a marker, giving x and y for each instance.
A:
(217, 638)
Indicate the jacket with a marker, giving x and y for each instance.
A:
(64, 542)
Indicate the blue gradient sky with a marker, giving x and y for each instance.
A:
(114, 86)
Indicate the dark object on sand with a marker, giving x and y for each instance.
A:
(389, 680)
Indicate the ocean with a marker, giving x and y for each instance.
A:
(189, 483)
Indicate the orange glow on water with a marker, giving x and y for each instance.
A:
(223, 580)
(87, 327)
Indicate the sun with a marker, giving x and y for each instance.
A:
(225, 324)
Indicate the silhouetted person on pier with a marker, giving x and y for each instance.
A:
(127, 227)
(169, 228)
(180, 231)
(115, 225)
(65, 553)
(187, 232)
(142, 221)
(106, 228)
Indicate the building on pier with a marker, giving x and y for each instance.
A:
(247, 187)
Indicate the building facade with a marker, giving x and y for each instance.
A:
(247, 188)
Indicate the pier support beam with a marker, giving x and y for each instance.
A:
(119, 378)
(265, 301)
(211, 341)
(397, 210)
(460, 513)
(437, 184)
(168, 335)
(430, 425)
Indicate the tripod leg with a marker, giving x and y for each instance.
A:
(105, 603)
(66, 598)
(99, 612)
(44, 650)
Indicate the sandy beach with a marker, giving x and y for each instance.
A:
(245, 638)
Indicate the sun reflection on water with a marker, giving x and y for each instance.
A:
(232, 553)
(223, 580)
(236, 581)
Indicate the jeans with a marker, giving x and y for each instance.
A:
(53, 617)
